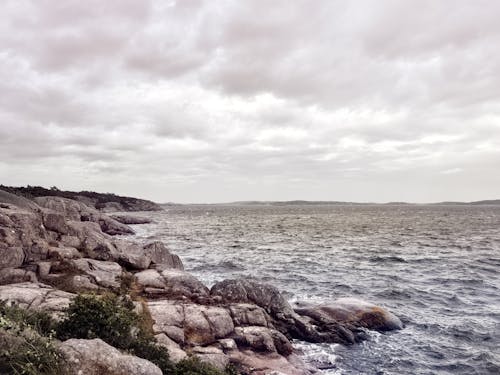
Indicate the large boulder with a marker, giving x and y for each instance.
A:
(189, 323)
(159, 254)
(131, 255)
(95, 357)
(353, 311)
(171, 283)
(266, 296)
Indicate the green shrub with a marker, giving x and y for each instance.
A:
(113, 320)
(106, 317)
(24, 351)
(39, 321)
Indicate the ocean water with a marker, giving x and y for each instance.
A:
(436, 267)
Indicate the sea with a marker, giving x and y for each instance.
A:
(437, 267)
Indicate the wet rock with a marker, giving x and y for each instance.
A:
(356, 312)
(95, 357)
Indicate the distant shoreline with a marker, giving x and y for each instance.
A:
(495, 202)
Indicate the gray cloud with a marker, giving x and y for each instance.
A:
(232, 100)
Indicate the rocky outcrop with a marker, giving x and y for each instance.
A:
(78, 211)
(95, 357)
(104, 202)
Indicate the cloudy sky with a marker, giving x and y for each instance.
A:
(216, 101)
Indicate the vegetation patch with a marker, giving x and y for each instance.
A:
(26, 343)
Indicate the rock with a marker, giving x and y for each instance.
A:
(55, 222)
(262, 339)
(212, 356)
(168, 318)
(10, 256)
(189, 323)
(180, 283)
(356, 312)
(159, 254)
(248, 314)
(281, 314)
(78, 211)
(63, 252)
(70, 208)
(105, 274)
(16, 200)
(36, 296)
(205, 324)
(128, 219)
(91, 241)
(257, 338)
(175, 352)
(171, 283)
(95, 357)
(265, 296)
(269, 363)
(228, 344)
(131, 255)
(16, 275)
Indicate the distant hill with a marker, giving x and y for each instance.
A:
(102, 201)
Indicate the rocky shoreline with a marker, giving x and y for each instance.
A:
(52, 248)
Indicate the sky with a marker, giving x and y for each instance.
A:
(220, 101)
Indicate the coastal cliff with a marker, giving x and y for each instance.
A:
(54, 249)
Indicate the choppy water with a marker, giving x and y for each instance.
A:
(436, 267)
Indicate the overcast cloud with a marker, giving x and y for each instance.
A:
(216, 101)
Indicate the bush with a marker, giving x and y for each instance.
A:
(39, 321)
(106, 317)
(113, 319)
(22, 349)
